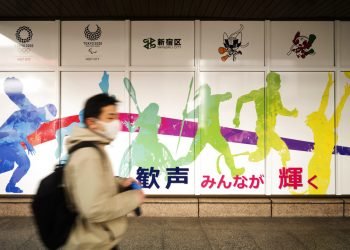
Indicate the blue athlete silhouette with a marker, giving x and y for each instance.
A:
(15, 130)
(65, 131)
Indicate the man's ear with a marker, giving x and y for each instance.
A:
(91, 123)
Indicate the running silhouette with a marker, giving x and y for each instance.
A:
(209, 131)
(15, 130)
(274, 108)
(325, 138)
(145, 150)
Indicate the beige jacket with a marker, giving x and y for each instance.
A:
(95, 193)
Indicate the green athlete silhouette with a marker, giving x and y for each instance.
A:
(146, 150)
(208, 131)
(274, 108)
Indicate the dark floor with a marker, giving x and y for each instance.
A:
(206, 233)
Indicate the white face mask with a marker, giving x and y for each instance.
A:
(111, 129)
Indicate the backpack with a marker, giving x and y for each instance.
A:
(53, 213)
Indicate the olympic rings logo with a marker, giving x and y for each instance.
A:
(24, 34)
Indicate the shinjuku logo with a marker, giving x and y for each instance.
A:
(149, 43)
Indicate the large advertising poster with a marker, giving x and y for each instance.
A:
(162, 43)
(301, 43)
(76, 88)
(28, 43)
(93, 43)
(185, 130)
(230, 151)
(162, 132)
(228, 44)
(29, 114)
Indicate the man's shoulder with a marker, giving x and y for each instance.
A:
(86, 152)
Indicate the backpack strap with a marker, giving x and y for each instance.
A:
(86, 144)
(83, 144)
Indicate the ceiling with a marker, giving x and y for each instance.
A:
(175, 9)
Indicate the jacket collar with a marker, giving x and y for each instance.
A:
(84, 134)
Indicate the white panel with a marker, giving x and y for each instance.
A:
(150, 47)
(303, 91)
(245, 38)
(344, 44)
(320, 36)
(98, 43)
(26, 43)
(167, 91)
(24, 118)
(343, 157)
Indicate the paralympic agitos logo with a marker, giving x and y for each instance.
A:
(92, 36)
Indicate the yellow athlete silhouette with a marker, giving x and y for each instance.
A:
(274, 108)
(325, 138)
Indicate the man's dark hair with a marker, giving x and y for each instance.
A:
(93, 106)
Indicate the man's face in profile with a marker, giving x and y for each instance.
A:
(108, 114)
